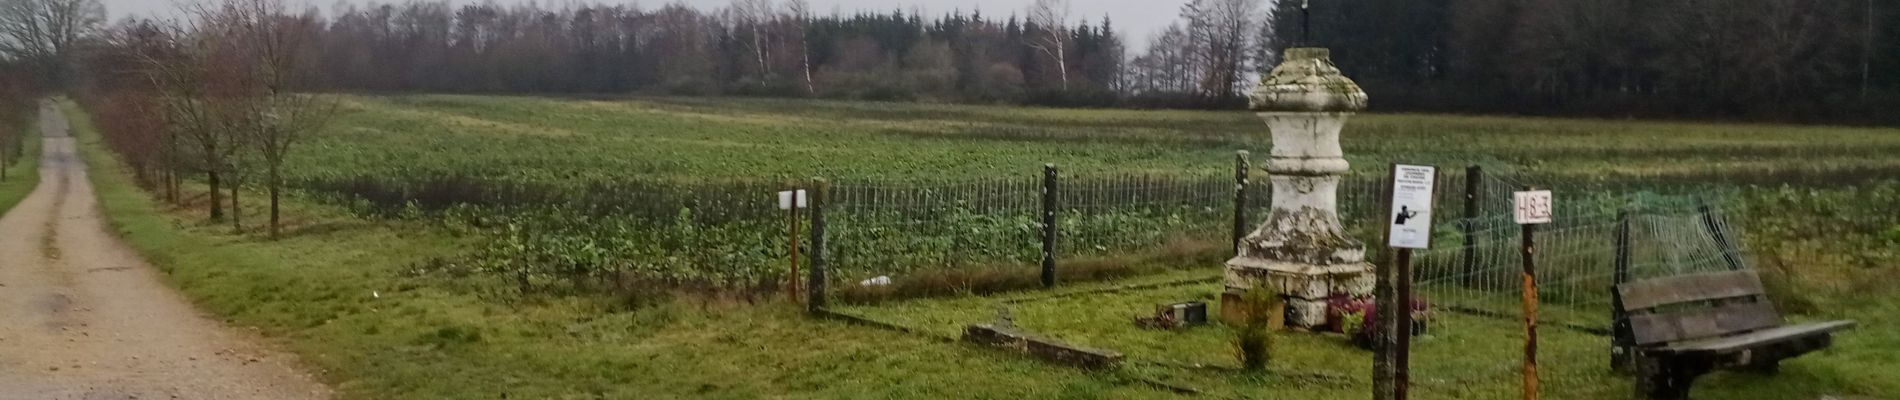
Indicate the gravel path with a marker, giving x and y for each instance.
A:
(83, 317)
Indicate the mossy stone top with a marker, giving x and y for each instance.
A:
(1307, 82)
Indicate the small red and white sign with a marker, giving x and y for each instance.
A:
(1533, 207)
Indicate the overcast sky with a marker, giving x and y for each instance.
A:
(1137, 19)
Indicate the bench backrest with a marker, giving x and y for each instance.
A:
(1697, 306)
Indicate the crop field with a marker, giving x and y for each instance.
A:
(678, 189)
(564, 247)
(582, 141)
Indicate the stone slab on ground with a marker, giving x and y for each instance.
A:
(1046, 349)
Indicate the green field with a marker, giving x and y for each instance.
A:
(576, 140)
(681, 184)
(1817, 201)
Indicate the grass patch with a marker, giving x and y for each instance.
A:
(1463, 357)
(23, 174)
(1180, 253)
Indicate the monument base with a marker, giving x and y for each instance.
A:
(1305, 289)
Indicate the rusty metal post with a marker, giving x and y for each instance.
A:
(791, 216)
(1529, 255)
(1402, 364)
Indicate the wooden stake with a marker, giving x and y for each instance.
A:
(815, 297)
(1049, 229)
(1241, 167)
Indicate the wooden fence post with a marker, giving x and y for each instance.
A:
(1474, 189)
(1385, 345)
(1621, 350)
(1049, 225)
(815, 296)
(1241, 166)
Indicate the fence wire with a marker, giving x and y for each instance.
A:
(894, 227)
(1472, 279)
(1475, 285)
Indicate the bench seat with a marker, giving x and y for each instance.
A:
(1742, 342)
(1682, 327)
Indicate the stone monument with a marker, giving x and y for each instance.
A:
(1301, 252)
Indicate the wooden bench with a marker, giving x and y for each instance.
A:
(1686, 326)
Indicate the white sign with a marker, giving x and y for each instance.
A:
(1533, 207)
(1412, 187)
(785, 199)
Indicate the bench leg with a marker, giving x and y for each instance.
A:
(1768, 367)
(1660, 378)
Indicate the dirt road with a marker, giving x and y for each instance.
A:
(83, 317)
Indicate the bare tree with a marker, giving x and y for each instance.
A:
(204, 87)
(194, 116)
(46, 31)
(1052, 16)
(272, 40)
(801, 13)
(756, 17)
(1224, 30)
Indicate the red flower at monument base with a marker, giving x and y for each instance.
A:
(1357, 317)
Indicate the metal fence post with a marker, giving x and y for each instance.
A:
(1711, 221)
(815, 297)
(1474, 190)
(1049, 225)
(1241, 166)
(1620, 336)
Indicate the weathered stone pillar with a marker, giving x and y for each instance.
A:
(1301, 252)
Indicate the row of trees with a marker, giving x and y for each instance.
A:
(769, 47)
(1805, 59)
(1768, 58)
(37, 39)
(41, 37)
(17, 96)
(750, 47)
(215, 96)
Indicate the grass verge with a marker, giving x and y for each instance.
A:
(23, 174)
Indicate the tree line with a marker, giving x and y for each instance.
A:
(1770, 59)
(1808, 60)
(751, 47)
(17, 98)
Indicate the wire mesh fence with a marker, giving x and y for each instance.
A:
(896, 227)
(888, 228)
(1595, 242)
(1472, 279)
